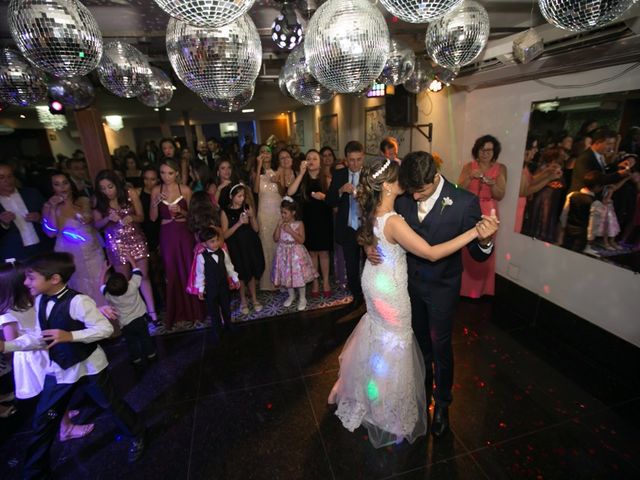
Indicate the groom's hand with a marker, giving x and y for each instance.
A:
(373, 255)
(487, 227)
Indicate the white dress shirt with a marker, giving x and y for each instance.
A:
(200, 281)
(82, 309)
(130, 304)
(15, 204)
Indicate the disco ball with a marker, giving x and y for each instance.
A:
(76, 93)
(282, 84)
(421, 76)
(59, 36)
(286, 35)
(399, 65)
(300, 83)
(347, 44)
(123, 70)
(20, 83)
(158, 91)
(583, 15)
(217, 62)
(423, 11)
(458, 38)
(206, 13)
(229, 104)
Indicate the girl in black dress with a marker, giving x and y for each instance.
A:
(240, 228)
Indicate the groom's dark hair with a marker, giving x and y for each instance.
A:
(417, 170)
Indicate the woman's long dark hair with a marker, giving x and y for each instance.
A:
(369, 193)
(13, 294)
(75, 193)
(305, 189)
(102, 202)
(202, 212)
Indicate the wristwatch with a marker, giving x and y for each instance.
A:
(488, 245)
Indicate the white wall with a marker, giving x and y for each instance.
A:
(120, 138)
(62, 142)
(603, 294)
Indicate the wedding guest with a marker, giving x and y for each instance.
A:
(285, 175)
(168, 149)
(151, 230)
(21, 235)
(389, 148)
(132, 174)
(226, 177)
(317, 216)
(79, 173)
(170, 202)
(576, 213)
(118, 212)
(67, 217)
(268, 210)
(487, 179)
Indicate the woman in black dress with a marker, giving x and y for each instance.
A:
(311, 186)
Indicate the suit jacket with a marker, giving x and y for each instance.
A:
(439, 282)
(10, 240)
(587, 162)
(334, 199)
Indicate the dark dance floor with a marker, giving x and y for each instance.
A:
(255, 407)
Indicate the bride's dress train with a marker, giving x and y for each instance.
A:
(381, 380)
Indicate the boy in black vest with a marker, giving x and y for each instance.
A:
(213, 268)
(71, 324)
(574, 218)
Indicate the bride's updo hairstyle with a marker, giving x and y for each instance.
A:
(370, 193)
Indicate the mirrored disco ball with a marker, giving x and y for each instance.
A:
(20, 83)
(206, 13)
(123, 69)
(284, 35)
(76, 93)
(421, 76)
(60, 37)
(300, 83)
(282, 85)
(346, 44)
(419, 11)
(217, 62)
(229, 104)
(458, 38)
(158, 91)
(399, 65)
(583, 15)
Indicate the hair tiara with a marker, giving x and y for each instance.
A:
(381, 170)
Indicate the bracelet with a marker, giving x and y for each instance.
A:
(488, 245)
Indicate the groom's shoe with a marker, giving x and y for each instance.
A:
(440, 423)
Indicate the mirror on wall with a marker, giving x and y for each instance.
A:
(580, 181)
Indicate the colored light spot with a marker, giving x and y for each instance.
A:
(73, 236)
(547, 289)
(508, 256)
(502, 425)
(81, 54)
(269, 406)
(48, 227)
(372, 391)
(383, 283)
(388, 312)
(379, 366)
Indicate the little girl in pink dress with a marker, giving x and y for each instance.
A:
(292, 266)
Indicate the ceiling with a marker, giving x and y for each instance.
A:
(142, 23)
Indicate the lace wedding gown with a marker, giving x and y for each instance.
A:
(381, 380)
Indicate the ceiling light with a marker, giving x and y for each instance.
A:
(22, 116)
(286, 31)
(248, 110)
(114, 122)
(167, 109)
(49, 120)
(435, 85)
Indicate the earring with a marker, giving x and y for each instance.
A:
(388, 191)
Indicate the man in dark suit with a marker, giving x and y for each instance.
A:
(593, 160)
(438, 211)
(20, 233)
(341, 194)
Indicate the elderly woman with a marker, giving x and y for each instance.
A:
(487, 179)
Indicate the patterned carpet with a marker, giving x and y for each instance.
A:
(272, 303)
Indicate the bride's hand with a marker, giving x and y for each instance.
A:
(373, 255)
(488, 226)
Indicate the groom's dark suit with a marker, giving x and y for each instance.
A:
(434, 287)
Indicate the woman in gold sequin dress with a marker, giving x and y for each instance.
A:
(118, 212)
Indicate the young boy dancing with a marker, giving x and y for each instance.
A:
(71, 324)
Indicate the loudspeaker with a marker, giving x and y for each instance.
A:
(401, 108)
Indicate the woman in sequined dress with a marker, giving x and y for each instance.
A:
(118, 212)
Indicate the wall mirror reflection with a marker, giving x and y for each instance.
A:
(581, 180)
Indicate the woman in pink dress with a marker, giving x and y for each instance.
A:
(486, 178)
(170, 202)
(118, 213)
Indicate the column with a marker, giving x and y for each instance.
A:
(92, 139)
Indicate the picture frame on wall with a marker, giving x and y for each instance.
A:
(328, 131)
(375, 129)
(299, 132)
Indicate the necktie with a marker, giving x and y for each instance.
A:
(42, 310)
(422, 210)
(353, 206)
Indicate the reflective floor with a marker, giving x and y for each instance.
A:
(254, 406)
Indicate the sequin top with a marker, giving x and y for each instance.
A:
(124, 240)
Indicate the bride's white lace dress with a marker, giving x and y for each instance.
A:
(381, 380)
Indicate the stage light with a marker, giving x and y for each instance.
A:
(56, 108)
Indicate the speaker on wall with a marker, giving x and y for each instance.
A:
(401, 108)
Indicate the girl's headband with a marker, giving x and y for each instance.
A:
(237, 185)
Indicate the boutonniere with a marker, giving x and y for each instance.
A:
(446, 201)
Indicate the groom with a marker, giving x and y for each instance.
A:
(438, 211)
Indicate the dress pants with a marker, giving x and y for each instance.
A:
(433, 324)
(352, 254)
(219, 309)
(139, 342)
(52, 404)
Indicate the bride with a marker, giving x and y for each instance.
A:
(381, 379)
